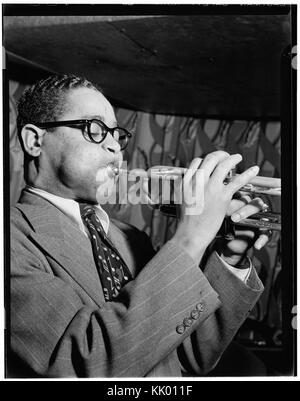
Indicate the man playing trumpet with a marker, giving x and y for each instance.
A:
(89, 297)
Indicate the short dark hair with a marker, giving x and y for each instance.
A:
(44, 101)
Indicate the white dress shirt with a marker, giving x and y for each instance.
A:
(71, 209)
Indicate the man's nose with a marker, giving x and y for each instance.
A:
(110, 144)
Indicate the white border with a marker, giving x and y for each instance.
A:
(190, 2)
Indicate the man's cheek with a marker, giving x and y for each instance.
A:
(86, 165)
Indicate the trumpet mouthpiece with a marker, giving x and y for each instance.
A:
(112, 170)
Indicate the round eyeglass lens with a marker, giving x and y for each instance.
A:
(97, 132)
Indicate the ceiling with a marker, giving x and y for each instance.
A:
(200, 65)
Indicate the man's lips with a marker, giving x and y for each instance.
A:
(107, 171)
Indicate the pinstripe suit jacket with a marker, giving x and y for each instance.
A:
(60, 325)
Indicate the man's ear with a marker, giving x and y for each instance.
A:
(32, 138)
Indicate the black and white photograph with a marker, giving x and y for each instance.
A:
(146, 235)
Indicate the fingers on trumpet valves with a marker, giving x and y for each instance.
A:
(263, 239)
(255, 201)
(246, 198)
(246, 206)
(265, 208)
(260, 203)
(243, 197)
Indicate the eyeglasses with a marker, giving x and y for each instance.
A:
(96, 130)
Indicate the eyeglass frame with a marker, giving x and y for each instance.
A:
(87, 123)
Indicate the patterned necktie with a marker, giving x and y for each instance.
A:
(112, 269)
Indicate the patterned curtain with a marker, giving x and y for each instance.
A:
(175, 141)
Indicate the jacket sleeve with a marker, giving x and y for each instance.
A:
(201, 351)
(56, 334)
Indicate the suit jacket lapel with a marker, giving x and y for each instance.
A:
(62, 241)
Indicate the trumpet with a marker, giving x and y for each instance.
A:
(267, 186)
(258, 184)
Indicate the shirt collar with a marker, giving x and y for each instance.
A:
(71, 208)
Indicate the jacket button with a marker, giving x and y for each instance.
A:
(180, 329)
(195, 314)
(187, 322)
(200, 306)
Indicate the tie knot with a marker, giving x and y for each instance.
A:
(86, 210)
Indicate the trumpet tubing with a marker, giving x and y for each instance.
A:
(263, 221)
(258, 184)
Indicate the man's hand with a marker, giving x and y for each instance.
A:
(196, 231)
(233, 251)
